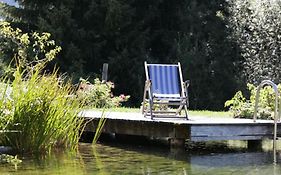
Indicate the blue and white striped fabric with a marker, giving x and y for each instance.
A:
(165, 80)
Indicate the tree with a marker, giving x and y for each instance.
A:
(257, 30)
(125, 33)
(211, 59)
(24, 50)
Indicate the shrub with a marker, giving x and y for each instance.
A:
(240, 107)
(99, 95)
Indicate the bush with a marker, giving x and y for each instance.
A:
(99, 95)
(240, 107)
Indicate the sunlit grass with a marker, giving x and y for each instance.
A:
(202, 113)
(205, 113)
(117, 109)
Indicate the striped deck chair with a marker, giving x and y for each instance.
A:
(165, 93)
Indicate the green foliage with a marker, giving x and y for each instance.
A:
(241, 107)
(125, 33)
(25, 50)
(256, 26)
(40, 115)
(100, 126)
(14, 160)
(236, 103)
(156, 107)
(99, 95)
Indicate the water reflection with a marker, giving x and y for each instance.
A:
(145, 160)
(114, 160)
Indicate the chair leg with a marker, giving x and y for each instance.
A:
(179, 110)
(185, 104)
(150, 108)
(150, 99)
(185, 110)
(146, 89)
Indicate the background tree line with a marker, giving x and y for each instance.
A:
(125, 33)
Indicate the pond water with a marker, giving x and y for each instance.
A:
(118, 158)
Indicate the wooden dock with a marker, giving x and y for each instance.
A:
(197, 128)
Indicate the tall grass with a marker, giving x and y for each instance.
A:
(100, 126)
(41, 113)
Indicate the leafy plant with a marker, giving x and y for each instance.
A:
(241, 107)
(99, 94)
(25, 50)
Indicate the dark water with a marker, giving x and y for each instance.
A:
(103, 159)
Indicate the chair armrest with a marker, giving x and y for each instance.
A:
(147, 84)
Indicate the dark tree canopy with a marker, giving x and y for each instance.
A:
(125, 33)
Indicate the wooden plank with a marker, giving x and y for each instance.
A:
(193, 120)
(221, 138)
(231, 132)
(196, 129)
(142, 128)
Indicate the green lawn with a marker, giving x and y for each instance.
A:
(204, 113)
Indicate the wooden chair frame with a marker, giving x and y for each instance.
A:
(150, 100)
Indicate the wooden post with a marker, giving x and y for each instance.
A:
(176, 143)
(255, 145)
(104, 72)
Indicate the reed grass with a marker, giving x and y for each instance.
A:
(41, 112)
(99, 128)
